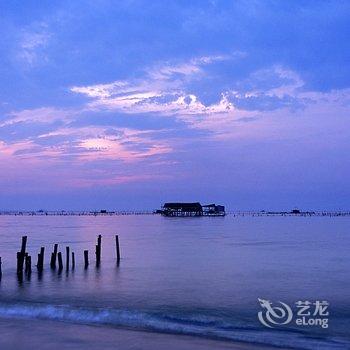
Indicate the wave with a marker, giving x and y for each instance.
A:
(166, 322)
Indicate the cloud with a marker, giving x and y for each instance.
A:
(32, 43)
(269, 89)
(165, 89)
(86, 144)
(44, 167)
(162, 90)
(46, 115)
(127, 145)
(92, 134)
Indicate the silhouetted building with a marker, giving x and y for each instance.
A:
(182, 209)
(191, 209)
(213, 209)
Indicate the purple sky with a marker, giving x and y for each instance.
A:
(128, 104)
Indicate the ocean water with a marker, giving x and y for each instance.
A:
(195, 276)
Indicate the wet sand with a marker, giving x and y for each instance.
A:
(22, 334)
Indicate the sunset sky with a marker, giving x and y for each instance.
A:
(127, 104)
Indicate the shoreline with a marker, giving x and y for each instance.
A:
(51, 335)
(238, 213)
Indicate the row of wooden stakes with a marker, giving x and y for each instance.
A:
(24, 260)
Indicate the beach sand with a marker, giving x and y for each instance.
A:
(25, 334)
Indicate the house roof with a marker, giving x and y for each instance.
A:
(183, 206)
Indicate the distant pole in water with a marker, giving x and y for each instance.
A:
(73, 261)
(0, 268)
(98, 251)
(67, 258)
(86, 258)
(60, 263)
(117, 248)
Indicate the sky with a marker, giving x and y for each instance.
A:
(128, 104)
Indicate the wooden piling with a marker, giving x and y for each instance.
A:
(0, 268)
(24, 244)
(60, 263)
(54, 257)
(20, 277)
(53, 261)
(26, 263)
(117, 248)
(19, 265)
(21, 255)
(28, 266)
(38, 265)
(42, 251)
(98, 251)
(67, 258)
(73, 261)
(86, 258)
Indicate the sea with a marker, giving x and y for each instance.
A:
(235, 278)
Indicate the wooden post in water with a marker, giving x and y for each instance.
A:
(53, 261)
(86, 258)
(40, 264)
(60, 263)
(21, 255)
(98, 251)
(117, 248)
(0, 268)
(28, 268)
(29, 264)
(73, 261)
(26, 263)
(99, 242)
(24, 244)
(54, 256)
(67, 258)
(42, 250)
(19, 262)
